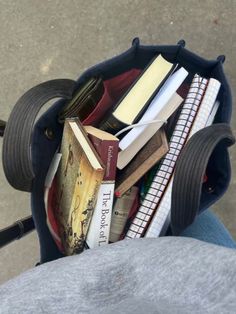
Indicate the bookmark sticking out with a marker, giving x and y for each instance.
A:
(135, 125)
(161, 107)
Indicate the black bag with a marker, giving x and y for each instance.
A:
(28, 146)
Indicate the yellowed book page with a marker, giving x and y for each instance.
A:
(67, 173)
(143, 89)
(77, 185)
(82, 206)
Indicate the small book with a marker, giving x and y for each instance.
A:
(78, 180)
(84, 100)
(120, 214)
(132, 105)
(107, 146)
(146, 158)
(128, 152)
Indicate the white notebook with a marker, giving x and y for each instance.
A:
(156, 206)
(159, 219)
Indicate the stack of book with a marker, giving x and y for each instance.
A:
(112, 177)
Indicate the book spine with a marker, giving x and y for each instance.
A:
(112, 125)
(99, 228)
(121, 213)
(108, 152)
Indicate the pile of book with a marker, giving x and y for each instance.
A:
(112, 175)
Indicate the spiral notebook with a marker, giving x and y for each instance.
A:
(153, 213)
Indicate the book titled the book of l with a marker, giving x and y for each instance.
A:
(135, 101)
(107, 146)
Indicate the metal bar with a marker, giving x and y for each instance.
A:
(2, 127)
(16, 231)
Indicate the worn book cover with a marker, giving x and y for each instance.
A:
(146, 158)
(78, 179)
(107, 146)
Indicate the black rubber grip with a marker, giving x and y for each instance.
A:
(16, 231)
(189, 172)
(16, 155)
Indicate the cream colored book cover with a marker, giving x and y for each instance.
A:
(142, 90)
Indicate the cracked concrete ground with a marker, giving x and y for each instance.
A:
(42, 40)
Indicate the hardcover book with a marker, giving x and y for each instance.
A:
(78, 179)
(138, 96)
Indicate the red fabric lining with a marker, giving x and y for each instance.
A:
(51, 209)
(101, 108)
(114, 88)
(118, 85)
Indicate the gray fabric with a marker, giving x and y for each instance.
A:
(164, 275)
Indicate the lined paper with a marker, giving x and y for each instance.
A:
(155, 196)
(208, 103)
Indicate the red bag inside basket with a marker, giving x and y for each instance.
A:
(51, 210)
(114, 88)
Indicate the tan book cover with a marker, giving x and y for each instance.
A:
(146, 158)
(127, 154)
(79, 177)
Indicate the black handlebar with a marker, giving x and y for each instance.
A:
(21, 227)
(16, 231)
(2, 127)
